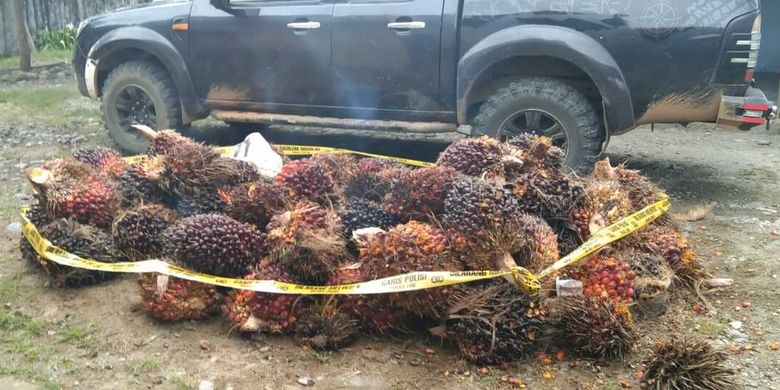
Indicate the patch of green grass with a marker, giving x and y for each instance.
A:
(142, 367)
(39, 58)
(491, 380)
(322, 357)
(30, 374)
(706, 326)
(79, 335)
(181, 381)
(37, 98)
(11, 289)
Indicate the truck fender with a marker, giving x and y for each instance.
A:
(150, 41)
(557, 42)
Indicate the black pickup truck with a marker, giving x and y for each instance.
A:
(578, 71)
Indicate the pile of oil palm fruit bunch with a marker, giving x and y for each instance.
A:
(334, 219)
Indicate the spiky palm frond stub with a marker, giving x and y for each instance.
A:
(307, 180)
(138, 232)
(494, 323)
(307, 241)
(683, 363)
(214, 244)
(255, 202)
(339, 166)
(538, 153)
(473, 156)
(595, 327)
(547, 193)
(81, 240)
(410, 247)
(326, 327)
(252, 312)
(107, 161)
(173, 299)
(420, 193)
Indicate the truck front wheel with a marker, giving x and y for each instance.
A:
(139, 92)
(549, 107)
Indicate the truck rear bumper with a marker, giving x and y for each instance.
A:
(746, 112)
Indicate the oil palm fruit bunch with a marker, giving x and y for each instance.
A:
(473, 156)
(547, 193)
(307, 180)
(252, 312)
(173, 299)
(538, 152)
(493, 323)
(420, 193)
(360, 214)
(254, 202)
(72, 189)
(339, 166)
(107, 161)
(607, 277)
(307, 241)
(411, 247)
(202, 200)
(81, 240)
(326, 327)
(670, 243)
(138, 232)
(214, 244)
(641, 191)
(487, 226)
(373, 178)
(684, 363)
(605, 202)
(594, 327)
(375, 313)
(140, 182)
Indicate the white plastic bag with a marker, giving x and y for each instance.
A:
(256, 150)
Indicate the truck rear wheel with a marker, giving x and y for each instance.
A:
(549, 107)
(139, 92)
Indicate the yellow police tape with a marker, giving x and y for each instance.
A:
(303, 150)
(400, 283)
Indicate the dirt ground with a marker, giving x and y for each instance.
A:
(98, 338)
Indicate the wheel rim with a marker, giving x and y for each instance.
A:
(536, 122)
(134, 106)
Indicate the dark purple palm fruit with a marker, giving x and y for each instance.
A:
(140, 183)
(85, 241)
(214, 244)
(138, 232)
(493, 323)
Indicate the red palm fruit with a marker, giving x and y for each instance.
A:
(473, 156)
(406, 248)
(107, 161)
(307, 180)
(254, 202)
(420, 193)
(307, 241)
(607, 277)
(71, 189)
(252, 312)
(173, 299)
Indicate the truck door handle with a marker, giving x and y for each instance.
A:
(303, 25)
(406, 25)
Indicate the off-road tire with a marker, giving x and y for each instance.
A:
(580, 120)
(157, 83)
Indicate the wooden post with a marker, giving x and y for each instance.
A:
(22, 36)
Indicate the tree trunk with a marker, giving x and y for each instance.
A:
(23, 37)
